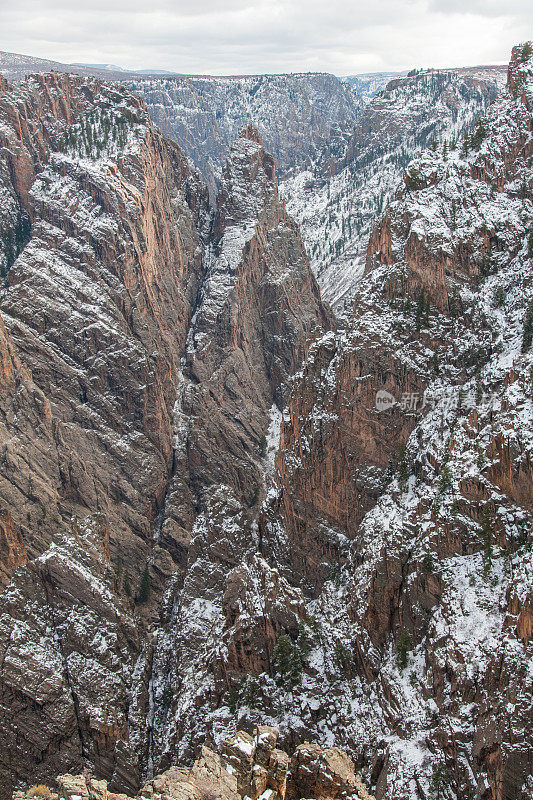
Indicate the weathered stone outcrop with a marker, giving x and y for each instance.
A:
(297, 115)
(337, 444)
(102, 279)
(248, 766)
(259, 306)
(68, 645)
(12, 549)
(100, 297)
(430, 617)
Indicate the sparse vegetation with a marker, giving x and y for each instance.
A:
(250, 691)
(233, 700)
(527, 52)
(439, 781)
(40, 790)
(403, 468)
(428, 562)
(12, 242)
(403, 647)
(343, 657)
(487, 539)
(413, 180)
(287, 660)
(527, 334)
(478, 135)
(145, 588)
(499, 297)
(167, 696)
(97, 132)
(445, 480)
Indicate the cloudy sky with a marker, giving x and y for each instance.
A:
(246, 36)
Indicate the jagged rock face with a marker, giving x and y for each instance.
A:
(298, 115)
(430, 619)
(295, 114)
(145, 346)
(336, 446)
(247, 766)
(12, 548)
(437, 261)
(68, 645)
(107, 221)
(259, 306)
(100, 298)
(376, 599)
(338, 216)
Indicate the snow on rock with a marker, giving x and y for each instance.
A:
(337, 215)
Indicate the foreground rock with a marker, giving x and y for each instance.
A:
(248, 766)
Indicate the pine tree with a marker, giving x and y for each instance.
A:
(426, 312)
(499, 297)
(453, 304)
(479, 390)
(420, 308)
(527, 52)
(439, 781)
(527, 335)
(403, 646)
(145, 587)
(286, 660)
(453, 223)
(403, 468)
(233, 699)
(445, 480)
(413, 179)
(486, 534)
(478, 135)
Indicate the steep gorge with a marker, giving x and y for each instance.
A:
(114, 311)
(373, 591)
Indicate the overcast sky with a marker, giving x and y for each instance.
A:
(247, 36)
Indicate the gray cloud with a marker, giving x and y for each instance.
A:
(243, 36)
(519, 9)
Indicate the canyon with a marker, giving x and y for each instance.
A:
(249, 548)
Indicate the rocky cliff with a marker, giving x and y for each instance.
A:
(102, 261)
(247, 766)
(405, 480)
(174, 579)
(337, 214)
(143, 346)
(340, 151)
(297, 115)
